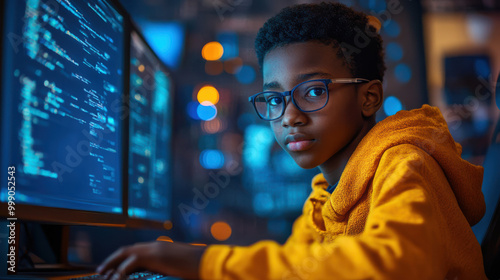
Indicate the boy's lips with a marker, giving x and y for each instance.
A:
(298, 142)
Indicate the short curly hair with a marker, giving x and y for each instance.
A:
(332, 24)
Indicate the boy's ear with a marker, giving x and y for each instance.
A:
(372, 98)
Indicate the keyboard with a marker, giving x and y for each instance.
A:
(144, 275)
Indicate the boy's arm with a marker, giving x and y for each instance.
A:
(401, 240)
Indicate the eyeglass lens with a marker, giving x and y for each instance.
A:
(308, 96)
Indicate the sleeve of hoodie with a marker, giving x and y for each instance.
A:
(401, 239)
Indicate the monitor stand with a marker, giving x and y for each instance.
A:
(43, 250)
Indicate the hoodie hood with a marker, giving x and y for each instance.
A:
(426, 129)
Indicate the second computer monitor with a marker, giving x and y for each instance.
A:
(150, 129)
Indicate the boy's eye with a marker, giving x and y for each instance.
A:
(315, 92)
(274, 101)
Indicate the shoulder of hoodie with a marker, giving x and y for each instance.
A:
(407, 161)
(406, 158)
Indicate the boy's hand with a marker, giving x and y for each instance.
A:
(174, 259)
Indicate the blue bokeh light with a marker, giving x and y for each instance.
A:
(284, 162)
(392, 28)
(402, 73)
(212, 159)
(206, 112)
(263, 203)
(246, 75)
(229, 41)
(192, 110)
(394, 51)
(258, 141)
(392, 105)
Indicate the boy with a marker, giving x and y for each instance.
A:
(394, 200)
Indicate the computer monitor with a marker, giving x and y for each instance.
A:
(467, 92)
(62, 94)
(150, 129)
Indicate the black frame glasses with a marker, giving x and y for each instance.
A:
(279, 97)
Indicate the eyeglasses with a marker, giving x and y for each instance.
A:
(308, 96)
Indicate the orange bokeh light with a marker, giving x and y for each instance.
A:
(208, 93)
(221, 231)
(168, 225)
(212, 126)
(212, 51)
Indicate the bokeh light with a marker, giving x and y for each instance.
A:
(394, 51)
(283, 161)
(258, 142)
(392, 105)
(481, 121)
(212, 51)
(168, 225)
(206, 111)
(211, 159)
(221, 230)
(479, 27)
(208, 94)
(391, 28)
(246, 74)
(263, 203)
(192, 110)
(230, 43)
(402, 73)
(212, 126)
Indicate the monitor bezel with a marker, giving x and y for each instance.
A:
(66, 216)
(134, 222)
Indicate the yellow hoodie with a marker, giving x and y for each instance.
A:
(403, 209)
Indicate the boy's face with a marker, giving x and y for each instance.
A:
(315, 138)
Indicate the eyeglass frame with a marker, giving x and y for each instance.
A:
(284, 94)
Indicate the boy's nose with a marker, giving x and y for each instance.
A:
(292, 115)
